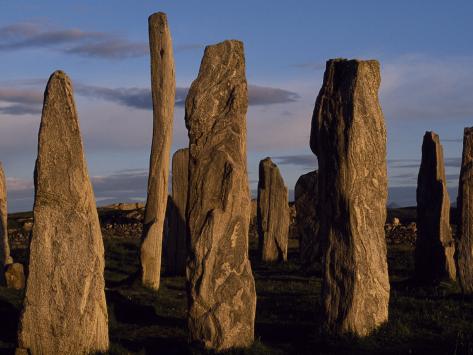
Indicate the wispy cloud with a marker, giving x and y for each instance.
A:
(309, 65)
(308, 161)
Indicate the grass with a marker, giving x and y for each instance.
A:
(422, 320)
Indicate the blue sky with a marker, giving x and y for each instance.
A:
(425, 49)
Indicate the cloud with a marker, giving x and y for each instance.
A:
(308, 161)
(20, 101)
(263, 95)
(310, 65)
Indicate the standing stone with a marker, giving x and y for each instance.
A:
(15, 276)
(434, 253)
(464, 252)
(5, 258)
(176, 241)
(349, 138)
(272, 213)
(305, 197)
(163, 89)
(64, 310)
(222, 296)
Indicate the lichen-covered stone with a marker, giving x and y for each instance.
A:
(349, 138)
(222, 297)
(464, 252)
(305, 198)
(434, 244)
(5, 257)
(272, 213)
(176, 252)
(64, 309)
(163, 89)
(15, 276)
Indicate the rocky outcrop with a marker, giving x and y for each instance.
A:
(5, 257)
(15, 276)
(176, 252)
(305, 197)
(464, 252)
(434, 245)
(64, 309)
(163, 89)
(349, 138)
(272, 213)
(222, 297)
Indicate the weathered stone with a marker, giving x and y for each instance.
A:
(64, 310)
(349, 138)
(176, 248)
(272, 213)
(305, 197)
(15, 276)
(222, 297)
(434, 244)
(163, 88)
(464, 252)
(5, 257)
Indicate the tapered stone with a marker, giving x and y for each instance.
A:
(176, 248)
(272, 213)
(434, 244)
(5, 258)
(464, 252)
(163, 89)
(349, 138)
(64, 309)
(307, 221)
(222, 297)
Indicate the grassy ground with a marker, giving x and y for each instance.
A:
(422, 320)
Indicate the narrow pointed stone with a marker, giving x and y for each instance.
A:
(272, 213)
(434, 253)
(222, 297)
(163, 89)
(307, 221)
(64, 309)
(464, 252)
(5, 258)
(176, 248)
(349, 138)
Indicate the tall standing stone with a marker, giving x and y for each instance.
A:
(5, 258)
(176, 248)
(222, 297)
(434, 253)
(349, 138)
(163, 89)
(464, 252)
(305, 198)
(64, 309)
(272, 213)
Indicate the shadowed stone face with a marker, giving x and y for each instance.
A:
(272, 213)
(434, 244)
(221, 289)
(64, 309)
(305, 196)
(349, 138)
(464, 252)
(163, 89)
(5, 257)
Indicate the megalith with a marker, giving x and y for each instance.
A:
(221, 288)
(435, 247)
(163, 90)
(64, 310)
(272, 213)
(464, 252)
(348, 136)
(307, 222)
(176, 248)
(5, 258)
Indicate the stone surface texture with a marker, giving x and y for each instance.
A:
(349, 138)
(176, 248)
(435, 247)
(272, 213)
(64, 309)
(464, 252)
(5, 257)
(163, 89)
(221, 288)
(307, 222)
(15, 276)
